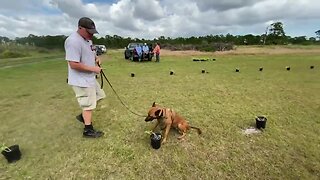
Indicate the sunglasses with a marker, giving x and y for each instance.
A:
(87, 30)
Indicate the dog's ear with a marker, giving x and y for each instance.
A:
(158, 113)
(154, 104)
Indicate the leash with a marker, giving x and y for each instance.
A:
(102, 75)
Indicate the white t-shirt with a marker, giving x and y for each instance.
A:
(80, 50)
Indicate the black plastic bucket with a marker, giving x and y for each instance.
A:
(203, 71)
(288, 68)
(132, 74)
(261, 122)
(156, 140)
(12, 153)
(171, 72)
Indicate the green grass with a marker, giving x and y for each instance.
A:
(38, 108)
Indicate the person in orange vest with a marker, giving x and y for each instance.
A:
(156, 50)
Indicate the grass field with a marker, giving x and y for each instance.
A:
(38, 108)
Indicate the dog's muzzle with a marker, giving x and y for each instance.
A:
(148, 118)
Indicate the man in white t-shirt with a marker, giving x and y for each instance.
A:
(82, 69)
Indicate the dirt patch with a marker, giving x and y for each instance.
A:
(251, 130)
(246, 50)
(165, 52)
(269, 50)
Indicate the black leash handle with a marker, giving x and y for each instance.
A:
(102, 75)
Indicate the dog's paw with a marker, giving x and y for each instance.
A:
(181, 138)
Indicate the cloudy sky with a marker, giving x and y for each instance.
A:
(153, 18)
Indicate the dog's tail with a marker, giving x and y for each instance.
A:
(198, 129)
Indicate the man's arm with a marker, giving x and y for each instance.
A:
(82, 67)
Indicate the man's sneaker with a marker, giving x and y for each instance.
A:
(91, 133)
(80, 118)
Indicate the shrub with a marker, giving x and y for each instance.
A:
(223, 46)
(206, 48)
(43, 51)
(11, 54)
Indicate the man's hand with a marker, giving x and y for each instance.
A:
(98, 61)
(96, 69)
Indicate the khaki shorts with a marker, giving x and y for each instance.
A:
(88, 96)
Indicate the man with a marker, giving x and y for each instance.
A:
(139, 52)
(145, 51)
(156, 50)
(82, 69)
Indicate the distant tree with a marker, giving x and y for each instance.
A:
(229, 38)
(318, 34)
(4, 39)
(299, 40)
(250, 39)
(49, 42)
(277, 29)
(312, 39)
(276, 34)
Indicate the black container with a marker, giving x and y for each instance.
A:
(171, 72)
(132, 74)
(12, 153)
(261, 69)
(261, 122)
(288, 68)
(203, 71)
(311, 67)
(156, 140)
(237, 70)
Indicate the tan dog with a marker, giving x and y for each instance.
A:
(167, 118)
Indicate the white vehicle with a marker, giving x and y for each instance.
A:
(100, 49)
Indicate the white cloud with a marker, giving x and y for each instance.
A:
(154, 18)
(76, 9)
(223, 5)
(149, 10)
(121, 15)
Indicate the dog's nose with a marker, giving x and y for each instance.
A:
(147, 119)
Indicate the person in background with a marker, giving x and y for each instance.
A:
(156, 50)
(145, 51)
(139, 52)
(83, 65)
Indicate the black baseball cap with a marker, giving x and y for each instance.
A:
(88, 24)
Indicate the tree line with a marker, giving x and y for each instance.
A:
(274, 35)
